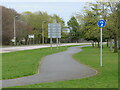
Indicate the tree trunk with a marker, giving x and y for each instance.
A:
(115, 44)
(118, 24)
(98, 44)
(92, 43)
(110, 44)
(95, 43)
(107, 43)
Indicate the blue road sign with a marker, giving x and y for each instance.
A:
(101, 23)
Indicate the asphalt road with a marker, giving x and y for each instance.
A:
(55, 67)
(19, 48)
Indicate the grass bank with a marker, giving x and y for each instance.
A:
(107, 76)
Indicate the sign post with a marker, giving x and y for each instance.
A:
(101, 24)
(54, 31)
(31, 37)
(101, 47)
(51, 43)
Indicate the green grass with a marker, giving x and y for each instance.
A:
(107, 76)
(24, 63)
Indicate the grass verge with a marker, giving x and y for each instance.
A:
(106, 78)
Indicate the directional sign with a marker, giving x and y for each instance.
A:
(54, 30)
(54, 35)
(101, 23)
(13, 40)
(30, 36)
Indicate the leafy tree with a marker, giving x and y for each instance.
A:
(39, 21)
(101, 10)
(113, 26)
(118, 23)
(89, 20)
(74, 25)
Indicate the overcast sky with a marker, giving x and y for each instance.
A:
(64, 8)
(49, 0)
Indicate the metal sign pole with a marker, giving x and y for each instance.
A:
(51, 35)
(101, 47)
(53, 32)
(101, 24)
(57, 42)
(51, 42)
(57, 36)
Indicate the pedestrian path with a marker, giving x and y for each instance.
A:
(55, 67)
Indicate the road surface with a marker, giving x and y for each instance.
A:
(55, 67)
(18, 48)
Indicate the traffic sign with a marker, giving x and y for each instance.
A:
(13, 40)
(54, 30)
(54, 35)
(30, 36)
(101, 23)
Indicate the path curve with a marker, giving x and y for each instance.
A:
(55, 67)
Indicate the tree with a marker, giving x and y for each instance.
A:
(0, 26)
(7, 34)
(118, 23)
(91, 16)
(74, 25)
(88, 22)
(36, 21)
(22, 28)
(39, 22)
(114, 27)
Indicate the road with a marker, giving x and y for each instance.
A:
(55, 67)
(18, 48)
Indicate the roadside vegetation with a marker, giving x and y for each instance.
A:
(107, 76)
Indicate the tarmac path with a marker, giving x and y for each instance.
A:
(56, 67)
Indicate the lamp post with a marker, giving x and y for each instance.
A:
(43, 32)
(15, 29)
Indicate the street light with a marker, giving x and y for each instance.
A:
(15, 29)
(43, 31)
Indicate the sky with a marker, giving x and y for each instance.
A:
(64, 8)
(48, 0)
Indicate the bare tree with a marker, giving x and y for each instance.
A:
(22, 28)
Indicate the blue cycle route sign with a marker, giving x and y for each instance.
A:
(101, 23)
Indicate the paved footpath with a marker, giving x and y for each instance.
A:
(55, 67)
